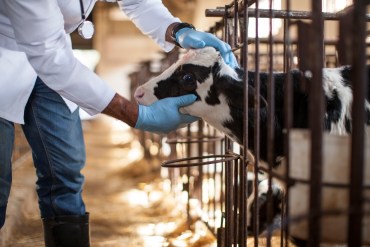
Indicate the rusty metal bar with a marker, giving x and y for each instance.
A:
(200, 178)
(256, 123)
(228, 206)
(221, 237)
(288, 120)
(316, 116)
(282, 14)
(281, 41)
(215, 188)
(270, 130)
(222, 196)
(236, 188)
(358, 110)
(187, 184)
(303, 181)
(244, 64)
(228, 168)
(188, 162)
(242, 204)
(236, 17)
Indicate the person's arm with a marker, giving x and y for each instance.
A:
(123, 109)
(39, 32)
(38, 27)
(154, 20)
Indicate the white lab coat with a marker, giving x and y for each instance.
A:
(34, 41)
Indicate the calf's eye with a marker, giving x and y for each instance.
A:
(188, 77)
(188, 82)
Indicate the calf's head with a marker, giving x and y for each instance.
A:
(219, 89)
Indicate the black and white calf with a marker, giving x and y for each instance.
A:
(220, 97)
(220, 88)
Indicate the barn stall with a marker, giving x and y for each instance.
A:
(325, 183)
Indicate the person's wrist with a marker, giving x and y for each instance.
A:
(122, 109)
(169, 32)
(174, 28)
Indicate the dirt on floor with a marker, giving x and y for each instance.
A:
(124, 194)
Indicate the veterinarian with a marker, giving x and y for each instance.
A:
(43, 84)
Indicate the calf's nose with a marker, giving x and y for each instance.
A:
(139, 93)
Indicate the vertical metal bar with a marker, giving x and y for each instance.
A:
(188, 174)
(243, 179)
(214, 176)
(285, 39)
(244, 54)
(228, 169)
(358, 109)
(270, 133)
(236, 187)
(316, 114)
(236, 11)
(228, 203)
(200, 178)
(223, 182)
(284, 226)
(221, 237)
(242, 205)
(288, 102)
(256, 126)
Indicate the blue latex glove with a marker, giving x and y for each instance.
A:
(163, 116)
(190, 38)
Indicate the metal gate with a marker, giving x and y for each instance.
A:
(218, 175)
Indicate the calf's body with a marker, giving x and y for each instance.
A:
(220, 93)
(220, 100)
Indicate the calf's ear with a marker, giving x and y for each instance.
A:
(252, 98)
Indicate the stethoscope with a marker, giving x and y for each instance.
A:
(86, 28)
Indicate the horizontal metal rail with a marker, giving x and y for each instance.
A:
(282, 14)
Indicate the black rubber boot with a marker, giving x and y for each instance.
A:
(67, 231)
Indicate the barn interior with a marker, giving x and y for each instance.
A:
(189, 188)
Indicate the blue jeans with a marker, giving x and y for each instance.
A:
(58, 151)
